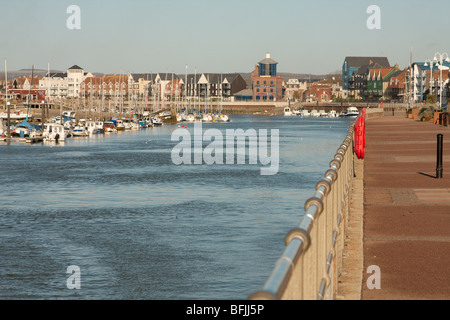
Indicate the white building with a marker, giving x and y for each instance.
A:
(64, 84)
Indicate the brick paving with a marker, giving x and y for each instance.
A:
(406, 211)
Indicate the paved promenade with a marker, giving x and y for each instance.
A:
(406, 210)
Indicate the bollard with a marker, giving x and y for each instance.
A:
(440, 143)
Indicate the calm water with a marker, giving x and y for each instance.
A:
(140, 227)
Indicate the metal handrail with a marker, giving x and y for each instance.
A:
(309, 266)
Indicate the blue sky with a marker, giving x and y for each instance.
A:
(218, 36)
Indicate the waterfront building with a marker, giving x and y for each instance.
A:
(294, 89)
(396, 86)
(214, 86)
(26, 89)
(423, 79)
(376, 82)
(266, 84)
(353, 65)
(113, 87)
(58, 85)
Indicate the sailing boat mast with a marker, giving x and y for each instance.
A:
(30, 93)
(8, 107)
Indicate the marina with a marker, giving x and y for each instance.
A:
(112, 203)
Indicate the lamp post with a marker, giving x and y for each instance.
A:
(439, 58)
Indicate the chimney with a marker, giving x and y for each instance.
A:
(396, 67)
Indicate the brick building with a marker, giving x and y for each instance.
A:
(266, 84)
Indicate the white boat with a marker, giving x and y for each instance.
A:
(351, 112)
(54, 132)
(323, 113)
(315, 113)
(91, 127)
(332, 114)
(69, 114)
(157, 122)
(207, 117)
(135, 125)
(190, 117)
(79, 131)
(297, 112)
(120, 125)
(16, 115)
(109, 126)
(305, 113)
(127, 124)
(223, 118)
(287, 112)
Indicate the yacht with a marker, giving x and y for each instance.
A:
(190, 117)
(315, 113)
(332, 114)
(351, 112)
(109, 126)
(287, 112)
(305, 113)
(120, 125)
(323, 113)
(54, 132)
(207, 117)
(16, 115)
(79, 131)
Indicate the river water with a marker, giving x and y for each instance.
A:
(140, 227)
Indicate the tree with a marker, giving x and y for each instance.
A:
(431, 98)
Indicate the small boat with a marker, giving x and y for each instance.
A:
(315, 113)
(109, 126)
(207, 117)
(305, 113)
(54, 132)
(127, 124)
(135, 124)
(223, 118)
(332, 114)
(351, 112)
(323, 114)
(157, 122)
(16, 115)
(120, 125)
(79, 131)
(287, 112)
(94, 127)
(190, 117)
